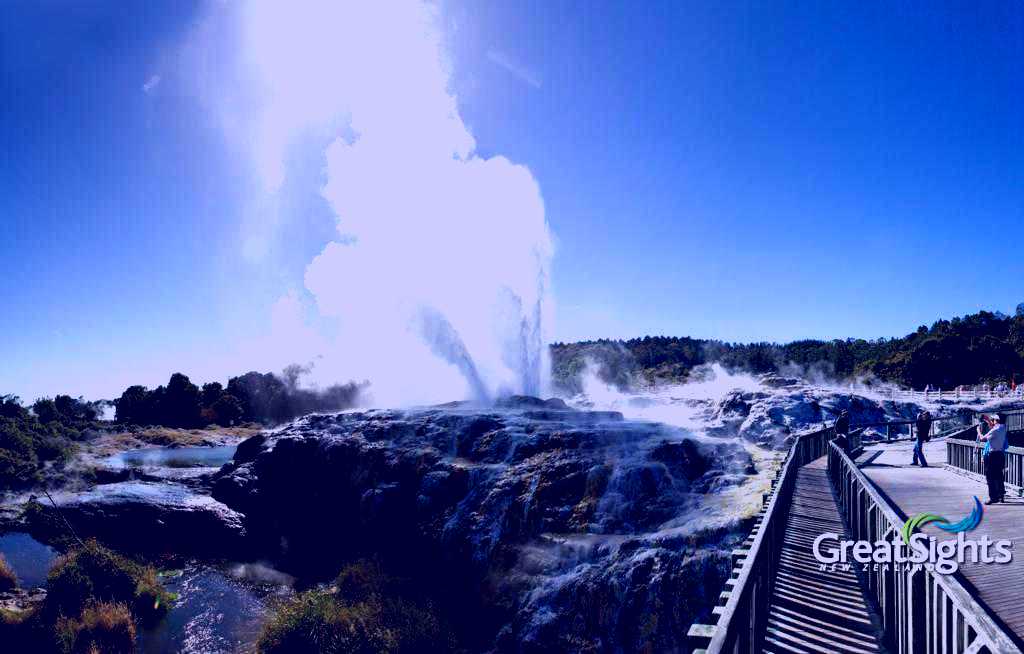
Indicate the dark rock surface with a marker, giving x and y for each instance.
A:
(771, 418)
(549, 528)
(150, 517)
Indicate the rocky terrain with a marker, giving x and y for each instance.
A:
(534, 525)
(550, 528)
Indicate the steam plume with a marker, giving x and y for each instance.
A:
(439, 251)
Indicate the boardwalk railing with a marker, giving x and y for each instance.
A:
(1014, 420)
(966, 455)
(899, 429)
(921, 610)
(743, 617)
(954, 394)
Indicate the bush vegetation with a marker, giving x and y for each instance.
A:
(93, 573)
(95, 600)
(102, 627)
(28, 443)
(252, 397)
(979, 348)
(366, 612)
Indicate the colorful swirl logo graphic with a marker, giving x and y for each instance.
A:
(921, 519)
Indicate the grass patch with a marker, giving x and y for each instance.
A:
(95, 599)
(8, 580)
(103, 627)
(92, 574)
(362, 614)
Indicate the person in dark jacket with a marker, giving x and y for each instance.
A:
(924, 433)
(843, 423)
(842, 429)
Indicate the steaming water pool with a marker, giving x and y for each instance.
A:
(29, 558)
(174, 457)
(220, 609)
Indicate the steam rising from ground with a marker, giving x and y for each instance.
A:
(439, 277)
(674, 404)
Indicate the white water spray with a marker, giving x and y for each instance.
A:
(437, 286)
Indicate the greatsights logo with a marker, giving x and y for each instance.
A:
(911, 549)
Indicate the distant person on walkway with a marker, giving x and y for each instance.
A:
(995, 457)
(924, 433)
(842, 429)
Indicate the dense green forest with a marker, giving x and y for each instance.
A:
(46, 434)
(984, 347)
(252, 397)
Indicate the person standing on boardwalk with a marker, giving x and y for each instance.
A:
(842, 429)
(924, 432)
(995, 457)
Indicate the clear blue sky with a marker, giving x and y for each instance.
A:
(743, 171)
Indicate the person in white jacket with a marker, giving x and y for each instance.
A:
(995, 457)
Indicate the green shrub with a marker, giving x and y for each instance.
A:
(95, 574)
(364, 615)
(26, 443)
(315, 622)
(8, 580)
(361, 581)
(103, 627)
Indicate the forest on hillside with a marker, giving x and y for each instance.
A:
(985, 347)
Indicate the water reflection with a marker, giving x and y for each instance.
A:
(218, 610)
(30, 559)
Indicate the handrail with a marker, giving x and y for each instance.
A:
(967, 455)
(957, 394)
(744, 617)
(1014, 420)
(921, 610)
(940, 425)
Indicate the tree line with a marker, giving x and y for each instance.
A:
(253, 397)
(29, 439)
(46, 432)
(985, 347)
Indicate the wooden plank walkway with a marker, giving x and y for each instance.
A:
(812, 610)
(939, 490)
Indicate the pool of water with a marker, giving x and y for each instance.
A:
(174, 457)
(220, 609)
(30, 559)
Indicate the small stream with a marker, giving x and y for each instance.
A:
(219, 610)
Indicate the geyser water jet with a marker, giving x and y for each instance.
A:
(422, 219)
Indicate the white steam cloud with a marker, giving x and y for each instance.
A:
(439, 278)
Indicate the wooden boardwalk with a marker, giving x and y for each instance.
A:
(812, 610)
(951, 494)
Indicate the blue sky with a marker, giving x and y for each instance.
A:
(743, 171)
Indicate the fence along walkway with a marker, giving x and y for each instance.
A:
(947, 492)
(811, 610)
(920, 610)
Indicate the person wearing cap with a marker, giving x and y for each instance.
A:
(924, 431)
(994, 455)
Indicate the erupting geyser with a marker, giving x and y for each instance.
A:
(438, 281)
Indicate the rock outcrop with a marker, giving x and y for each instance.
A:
(151, 517)
(530, 507)
(772, 417)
